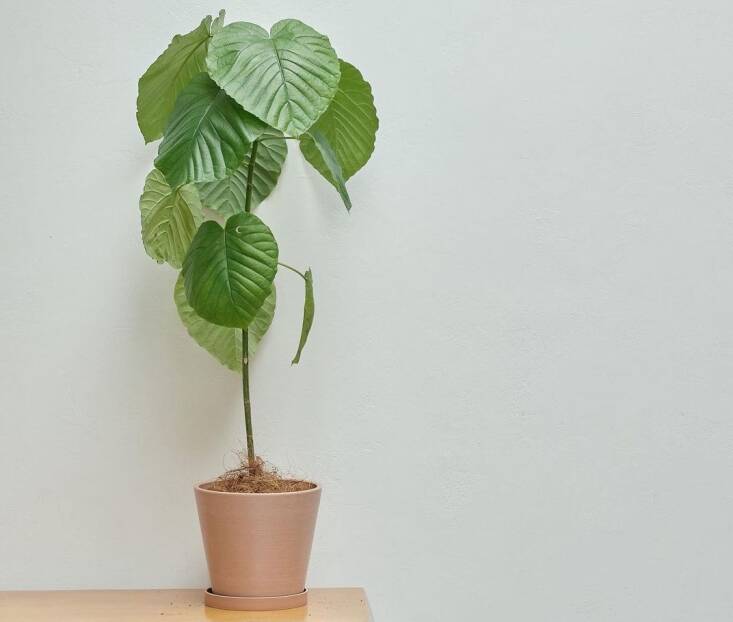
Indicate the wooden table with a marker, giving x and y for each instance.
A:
(324, 605)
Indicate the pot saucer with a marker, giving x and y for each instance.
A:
(255, 603)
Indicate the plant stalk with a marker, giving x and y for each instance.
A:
(250, 176)
(251, 457)
(298, 272)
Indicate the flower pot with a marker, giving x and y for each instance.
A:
(257, 546)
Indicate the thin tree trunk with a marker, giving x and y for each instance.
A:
(251, 457)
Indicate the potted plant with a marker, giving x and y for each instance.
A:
(225, 99)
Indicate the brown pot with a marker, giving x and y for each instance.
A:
(257, 546)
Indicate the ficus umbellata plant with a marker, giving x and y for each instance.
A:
(224, 99)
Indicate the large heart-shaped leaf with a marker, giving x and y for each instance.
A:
(160, 85)
(207, 136)
(229, 271)
(226, 196)
(222, 342)
(169, 218)
(349, 127)
(287, 78)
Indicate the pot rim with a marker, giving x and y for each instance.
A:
(200, 487)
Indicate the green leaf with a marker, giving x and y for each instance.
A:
(208, 135)
(229, 271)
(286, 78)
(260, 324)
(218, 22)
(349, 126)
(226, 196)
(169, 218)
(308, 312)
(160, 85)
(222, 342)
(333, 166)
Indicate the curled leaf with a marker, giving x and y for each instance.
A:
(308, 312)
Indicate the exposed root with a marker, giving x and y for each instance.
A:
(260, 478)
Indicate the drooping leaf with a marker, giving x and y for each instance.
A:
(222, 342)
(308, 313)
(332, 164)
(287, 77)
(229, 271)
(226, 196)
(207, 136)
(350, 125)
(160, 85)
(169, 218)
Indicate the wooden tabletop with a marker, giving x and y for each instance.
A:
(324, 605)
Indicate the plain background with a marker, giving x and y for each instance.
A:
(517, 394)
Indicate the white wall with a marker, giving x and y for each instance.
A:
(517, 394)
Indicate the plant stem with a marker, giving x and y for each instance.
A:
(251, 457)
(250, 176)
(262, 140)
(298, 272)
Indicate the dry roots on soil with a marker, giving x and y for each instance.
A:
(260, 477)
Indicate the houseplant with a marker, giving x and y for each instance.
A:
(225, 99)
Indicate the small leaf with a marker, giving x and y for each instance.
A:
(226, 196)
(349, 125)
(333, 166)
(169, 218)
(207, 136)
(218, 22)
(222, 342)
(287, 77)
(308, 313)
(160, 85)
(229, 271)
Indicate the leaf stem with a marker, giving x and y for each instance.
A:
(298, 272)
(251, 457)
(250, 176)
(262, 140)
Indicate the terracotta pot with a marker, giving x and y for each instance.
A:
(257, 546)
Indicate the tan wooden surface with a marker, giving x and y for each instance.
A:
(324, 605)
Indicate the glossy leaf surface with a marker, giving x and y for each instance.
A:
(349, 126)
(286, 77)
(226, 196)
(208, 135)
(229, 271)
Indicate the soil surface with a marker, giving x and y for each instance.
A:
(260, 478)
